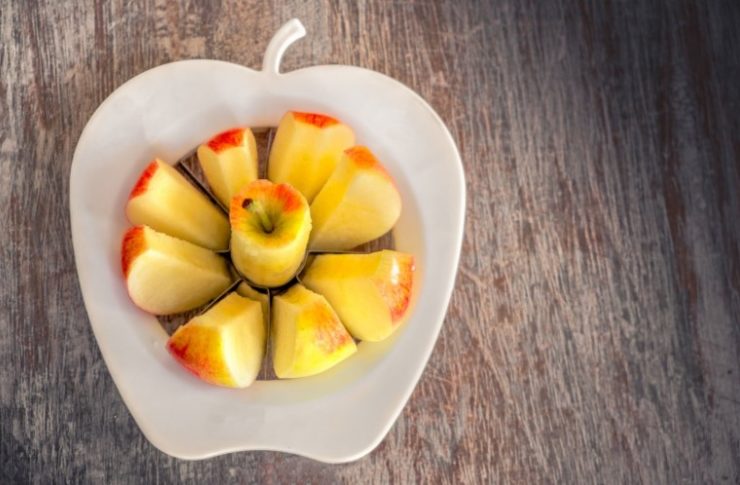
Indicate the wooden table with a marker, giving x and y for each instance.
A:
(594, 333)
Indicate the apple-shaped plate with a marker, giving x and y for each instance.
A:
(336, 416)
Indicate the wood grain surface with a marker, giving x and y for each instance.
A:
(594, 334)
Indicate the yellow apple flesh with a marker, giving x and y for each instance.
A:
(307, 336)
(306, 149)
(359, 203)
(370, 292)
(229, 162)
(270, 226)
(225, 345)
(164, 200)
(166, 275)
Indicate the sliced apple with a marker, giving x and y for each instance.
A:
(263, 298)
(370, 292)
(164, 200)
(270, 226)
(359, 203)
(306, 149)
(229, 162)
(166, 275)
(225, 345)
(307, 336)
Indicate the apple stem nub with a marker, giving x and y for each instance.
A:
(256, 208)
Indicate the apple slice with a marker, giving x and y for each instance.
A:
(164, 200)
(270, 226)
(225, 345)
(166, 275)
(229, 162)
(307, 336)
(359, 203)
(306, 149)
(370, 292)
(263, 298)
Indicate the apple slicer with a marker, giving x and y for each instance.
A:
(344, 412)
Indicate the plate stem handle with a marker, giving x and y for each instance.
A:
(291, 31)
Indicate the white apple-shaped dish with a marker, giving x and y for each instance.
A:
(337, 416)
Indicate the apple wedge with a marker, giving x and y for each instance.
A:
(263, 298)
(229, 162)
(166, 275)
(164, 200)
(359, 203)
(225, 345)
(270, 226)
(307, 336)
(370, 292)
(306, 149)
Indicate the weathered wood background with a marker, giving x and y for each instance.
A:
(594, 336)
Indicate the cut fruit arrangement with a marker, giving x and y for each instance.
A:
(279, 267)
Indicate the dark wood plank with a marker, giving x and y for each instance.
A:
(594, 334)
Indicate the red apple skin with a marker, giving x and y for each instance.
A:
(226, 140)
(362, 157)
(143, 183)
(199, 368)
(316, 119)
(397, 293)
(133, 245)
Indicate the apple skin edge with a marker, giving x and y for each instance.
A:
(227, 139)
